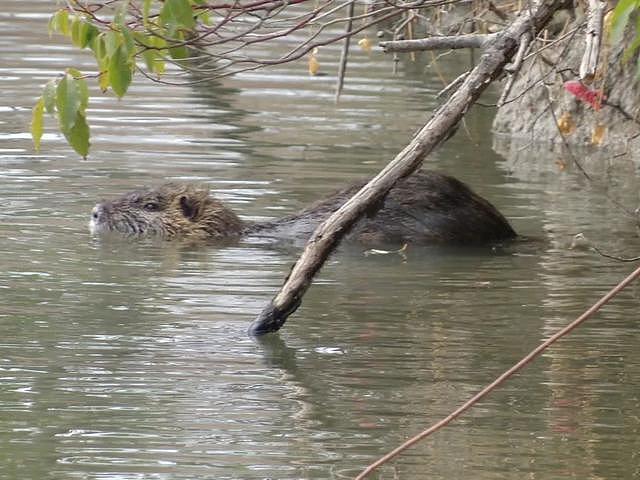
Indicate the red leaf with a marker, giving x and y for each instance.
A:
(584, 93)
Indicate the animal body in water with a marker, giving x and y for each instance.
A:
(425, 208)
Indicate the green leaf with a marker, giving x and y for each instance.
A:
(78, 136)
(67, 102)
(620, 18)
(119, 72)
(90, 34)
(82, 32)
(112, 41)
(177, 13)
(98, 47)
(128, 41)
(81, 85)
(37, 123)
(179, 52)
(154, 61)
(149, 55)
(49, 96)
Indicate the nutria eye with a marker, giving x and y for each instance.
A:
(150, 207)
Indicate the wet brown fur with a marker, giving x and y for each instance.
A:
(426, 208)
(173, 210)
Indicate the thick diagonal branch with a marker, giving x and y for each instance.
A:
(327, 236)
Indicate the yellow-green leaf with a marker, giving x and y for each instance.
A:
(60, 22)
(81, 85)
(100, 51)
(76, 26)
(37, 122)
(119, 72)
(149, 56)
(49, 96)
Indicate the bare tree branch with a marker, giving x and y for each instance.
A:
(589, 62)
(471, 40)
(327, 236)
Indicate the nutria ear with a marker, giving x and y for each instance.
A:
(190, 206)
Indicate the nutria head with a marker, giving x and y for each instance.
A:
(171, 211)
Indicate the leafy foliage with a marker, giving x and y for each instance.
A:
(67, 99)
(218, 39)
(115, 45)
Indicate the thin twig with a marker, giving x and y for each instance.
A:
(452, 85)
(525, 41)
(498, 381)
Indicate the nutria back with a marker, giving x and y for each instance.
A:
(425, 208)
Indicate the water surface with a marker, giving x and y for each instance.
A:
(123, 360)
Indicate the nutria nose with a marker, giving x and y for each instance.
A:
(99, 212)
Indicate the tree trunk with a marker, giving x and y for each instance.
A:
(497, 53)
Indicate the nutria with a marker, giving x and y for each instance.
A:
(425, 208)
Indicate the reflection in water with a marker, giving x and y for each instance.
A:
(130, 360)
